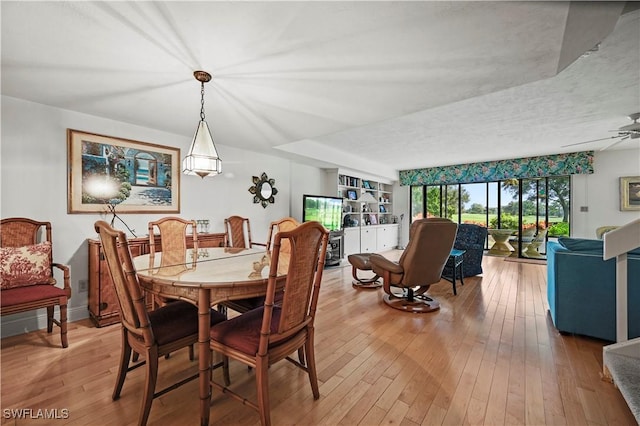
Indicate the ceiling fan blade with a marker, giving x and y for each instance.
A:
(615, 143)
(594, 140)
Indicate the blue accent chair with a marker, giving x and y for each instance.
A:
(471, 238)
(581, 289)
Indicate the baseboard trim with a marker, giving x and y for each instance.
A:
(26, 322)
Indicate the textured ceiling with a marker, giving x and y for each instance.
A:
(373, 86)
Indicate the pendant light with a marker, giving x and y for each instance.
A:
(202, 159)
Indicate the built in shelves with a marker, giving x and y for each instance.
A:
(367, 218)
(366, 202)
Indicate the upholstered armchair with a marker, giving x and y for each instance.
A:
(470, 238)
(420, 265)
(26, 272)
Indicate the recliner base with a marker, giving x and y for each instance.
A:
(419, 304)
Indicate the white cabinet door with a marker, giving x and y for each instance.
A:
(368, 240)
(386, 237)
(351, 240)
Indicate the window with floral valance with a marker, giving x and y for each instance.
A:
(531, 167)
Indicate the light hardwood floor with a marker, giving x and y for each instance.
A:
(489, 356)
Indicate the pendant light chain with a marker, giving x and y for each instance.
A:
(202, 101)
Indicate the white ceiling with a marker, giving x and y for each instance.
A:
(372, 86)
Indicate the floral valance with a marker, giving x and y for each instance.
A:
(531, 167)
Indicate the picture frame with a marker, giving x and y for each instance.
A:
(373, 220)
(109, 172)
(630, 193)
(366, 184)
(383, 209)
(352, 195)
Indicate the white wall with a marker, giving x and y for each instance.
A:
(305, 180)
(600, 192)
(33, 182)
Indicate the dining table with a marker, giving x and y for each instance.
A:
(206, 277)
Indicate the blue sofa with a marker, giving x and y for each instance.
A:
(581, 289)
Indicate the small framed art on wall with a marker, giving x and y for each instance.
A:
(630, 193)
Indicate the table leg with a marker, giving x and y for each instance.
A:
(204, 354)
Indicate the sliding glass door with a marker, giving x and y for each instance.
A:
(520, 213)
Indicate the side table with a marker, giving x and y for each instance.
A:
(501, 246)
(455, 262)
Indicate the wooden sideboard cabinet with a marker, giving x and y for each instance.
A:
(103, 302)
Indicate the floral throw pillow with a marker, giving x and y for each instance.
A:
(23, 266)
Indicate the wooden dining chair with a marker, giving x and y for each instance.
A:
(266, 335)
(238, 231)
(284, 224)
(172, 233)
(171, 240)
(247, 304)
(150, 334)
(26, 271)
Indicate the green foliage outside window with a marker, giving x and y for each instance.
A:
(537, 196)
(507, 221)
(559, 229)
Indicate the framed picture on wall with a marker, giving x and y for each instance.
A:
(137, 177)
(630, 193)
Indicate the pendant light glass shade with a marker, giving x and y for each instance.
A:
(202, 159)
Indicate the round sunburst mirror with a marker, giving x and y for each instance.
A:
(263, 190)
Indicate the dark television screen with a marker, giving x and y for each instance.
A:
(326, 210)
